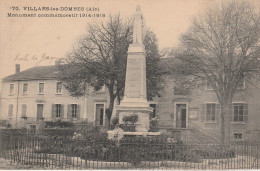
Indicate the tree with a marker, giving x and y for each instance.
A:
(155, 73)
(100, 59)
(222, 48)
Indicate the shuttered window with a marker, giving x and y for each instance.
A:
(240, 112)
(210, 112)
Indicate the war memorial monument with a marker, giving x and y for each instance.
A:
(135, 95)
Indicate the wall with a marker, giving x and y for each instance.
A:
(200, 96)
(50, 97)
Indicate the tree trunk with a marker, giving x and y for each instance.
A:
(109, 110)
(225, 122)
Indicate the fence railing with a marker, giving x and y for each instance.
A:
(65, 153)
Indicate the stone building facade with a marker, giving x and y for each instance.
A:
(35, 95)
(199, 113)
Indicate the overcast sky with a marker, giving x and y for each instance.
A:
(54, 37)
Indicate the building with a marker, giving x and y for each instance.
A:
(198, 116)
(35, 95)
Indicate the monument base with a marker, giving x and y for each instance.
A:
(140, 133)
(143, 113)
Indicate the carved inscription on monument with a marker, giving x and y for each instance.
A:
(134, 76)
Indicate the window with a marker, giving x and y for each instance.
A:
(211, 112)
(181, 90)
(238, 112)
(74, 110)
(10, 110)
(241, 85)
(58, 87)
(32, 126)
(25, 88)
(154, 110)
(238, 136)
(24, 110)
(11, 89)
(210, 82)
(58, 110)
(41, 88)
(208, 86)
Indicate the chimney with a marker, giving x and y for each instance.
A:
(17, 68)
(57, 62)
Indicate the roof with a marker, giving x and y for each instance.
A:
(51, 72)
(35, 73)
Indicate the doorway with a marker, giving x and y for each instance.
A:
(99, 118)
(181, 115)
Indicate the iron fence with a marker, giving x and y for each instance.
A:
(67, 153)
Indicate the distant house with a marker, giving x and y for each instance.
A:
(30, 97)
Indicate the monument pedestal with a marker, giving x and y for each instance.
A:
(143, 113)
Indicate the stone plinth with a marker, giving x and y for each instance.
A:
(143, 113)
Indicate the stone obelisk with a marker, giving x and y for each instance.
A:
(135, 95)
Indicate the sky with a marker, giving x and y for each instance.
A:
(39, 41)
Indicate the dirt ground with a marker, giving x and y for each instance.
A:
(8, 165)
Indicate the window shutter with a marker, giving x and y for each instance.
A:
(10, 110)
(24, 110)
(245, 112)
(78, 111)
(231, 115)
(69, 112)
(203, 112)
(218, 117)
(53, 114)
(62, 111)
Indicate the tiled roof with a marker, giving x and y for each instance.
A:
(35, 73)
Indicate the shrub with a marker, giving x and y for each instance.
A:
(59, 123)
(96, 146)
(130, 119)
(87, 128)
(3, 123)
(114, 121)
